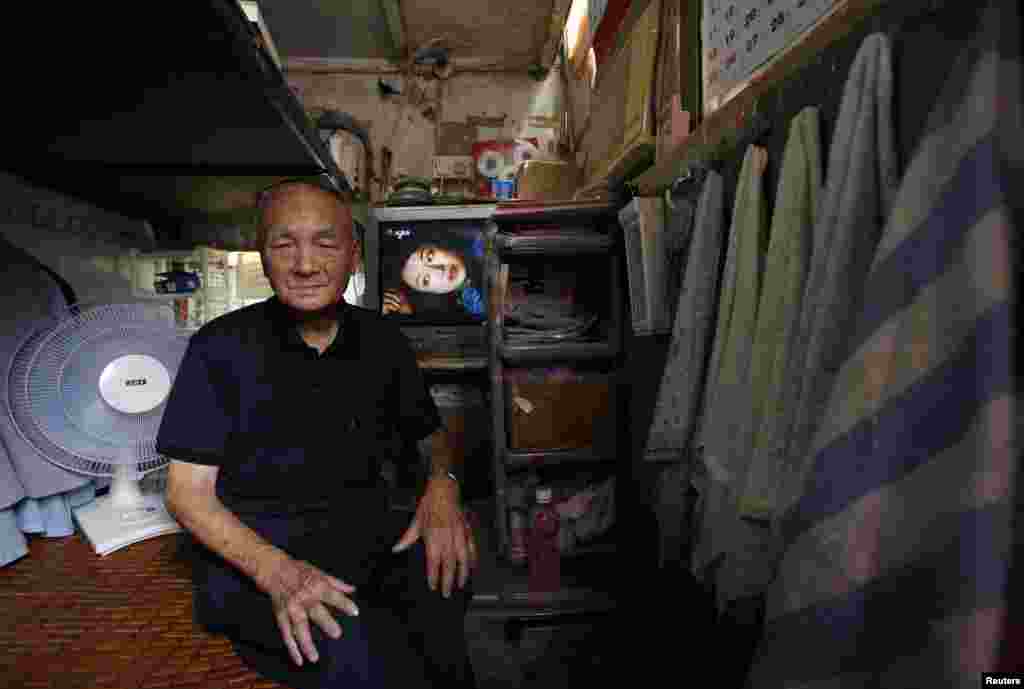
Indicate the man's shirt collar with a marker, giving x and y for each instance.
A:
(345, 343)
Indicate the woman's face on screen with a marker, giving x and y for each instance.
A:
(434, 270)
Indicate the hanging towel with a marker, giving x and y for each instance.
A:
(682, 381)
(741, 289)
(860, 184)
(775, 342)
(748, 566)
(897, 567)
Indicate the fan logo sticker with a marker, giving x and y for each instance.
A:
(135, 381)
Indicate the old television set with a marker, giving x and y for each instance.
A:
(428, 276)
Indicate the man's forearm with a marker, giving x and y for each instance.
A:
(223, 532)
(442, 452)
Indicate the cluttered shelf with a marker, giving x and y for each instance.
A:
(558, 308)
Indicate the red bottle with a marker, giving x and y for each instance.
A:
(544, 558)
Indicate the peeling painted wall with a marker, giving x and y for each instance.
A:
(411, 137)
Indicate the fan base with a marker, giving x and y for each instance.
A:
(109, 528)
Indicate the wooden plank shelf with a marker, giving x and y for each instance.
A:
(531, 212)
(453, 364)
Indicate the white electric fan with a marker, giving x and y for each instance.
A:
(87, 390)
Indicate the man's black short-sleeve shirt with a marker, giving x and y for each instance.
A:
(289, 427)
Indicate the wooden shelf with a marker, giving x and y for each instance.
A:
(568, 351)
(519, 460)
(479, 211)
(438, 364)
(521, 227)
(719, 132)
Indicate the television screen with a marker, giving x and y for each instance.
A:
(432, 272)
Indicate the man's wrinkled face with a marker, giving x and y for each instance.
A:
(309, 249)
(434, 270)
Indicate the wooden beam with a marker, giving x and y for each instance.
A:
(253, 13)
(334, 65)
(720, 129)
(556, 25)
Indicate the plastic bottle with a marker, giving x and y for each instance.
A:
(517, 534)
(543, 556)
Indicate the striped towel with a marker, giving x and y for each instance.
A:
(727, 388)
(897, 564)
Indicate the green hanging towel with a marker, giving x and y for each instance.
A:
(789, 254)
(752, 550)
(737, 317)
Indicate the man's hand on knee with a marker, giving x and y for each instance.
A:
(301, 592)
(447, 537)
